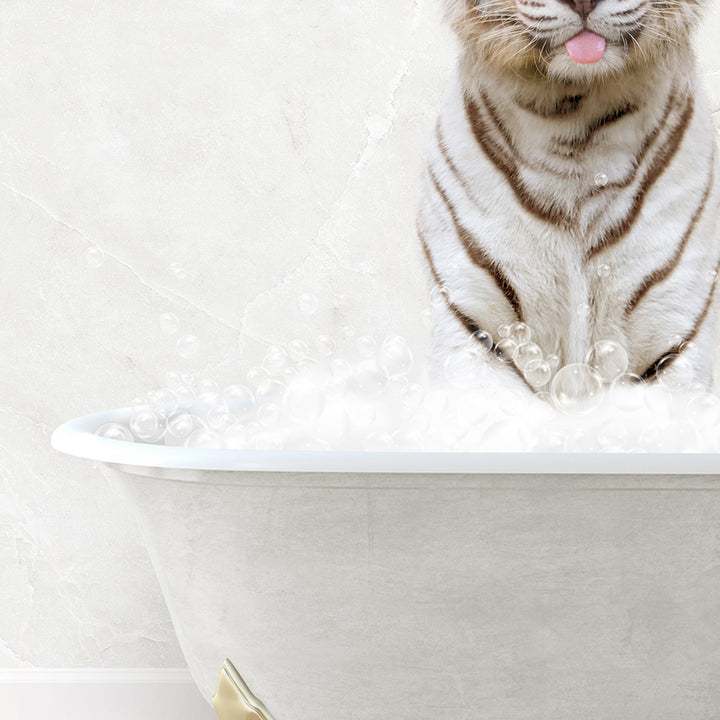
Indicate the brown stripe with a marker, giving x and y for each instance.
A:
(538, 18)
(508, 167)
(661, 160)
(478, 256)
(650, 375)
(468, 323)
(442, 145)
(563, 107)
(661, 273)
(568, 147)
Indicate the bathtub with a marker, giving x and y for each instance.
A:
(357, 586)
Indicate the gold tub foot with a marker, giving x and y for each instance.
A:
(233, 700)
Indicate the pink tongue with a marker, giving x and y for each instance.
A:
(587, 47)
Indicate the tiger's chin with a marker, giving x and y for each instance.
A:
(561, 67)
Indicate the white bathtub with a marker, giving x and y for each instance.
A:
(354, 586)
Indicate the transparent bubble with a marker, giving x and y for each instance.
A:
(180, 425)
(275, 360)
(173, 380)
(169, 323)
(675, 340)
(366, 346)
(257, 376)
(378, 442)
(239, 399)
(94, 257)
(483, 338)
(608, 359)
(165, 401)
(308, 304)
(304, 401)
(520, 333)
(675, 372)
(553, 361)
(347, 333)
(203, 439)
(710, 276)
(412, 395)
(268, 441)
(703, 409)
(184, 395)
(236, 437)
(627, 392)
(601, 179)
(298, 350)
(178, 270)
(341, 370)
(188, 346)
(395, 357)
(603, 271)
(324, 345)
(503, 331)
(537, 373)
(369, 378)
(145, 424)
(528, 353)
(688, 347)
(268, 414)
(270, 391)
(583, 310)
(508, 349)
(219, 417)
(576, 388)
(439, 296)
(115, 431)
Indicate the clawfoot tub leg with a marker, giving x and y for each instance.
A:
(233, 700)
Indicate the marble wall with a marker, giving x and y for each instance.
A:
(214, 160)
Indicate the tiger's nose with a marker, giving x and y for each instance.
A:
(582, 7)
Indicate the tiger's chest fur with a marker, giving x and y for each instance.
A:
(586, 214)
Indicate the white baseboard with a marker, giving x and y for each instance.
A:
(101, 694)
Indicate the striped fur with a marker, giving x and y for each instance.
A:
(582, 200)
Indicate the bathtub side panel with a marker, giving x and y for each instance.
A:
(414, 603)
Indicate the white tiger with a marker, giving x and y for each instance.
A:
(572, 186)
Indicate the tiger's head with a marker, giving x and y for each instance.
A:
(573, 40)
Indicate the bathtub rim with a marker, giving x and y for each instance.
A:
(77, 437)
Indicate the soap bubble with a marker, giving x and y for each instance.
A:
(439, 296)
(239, 398)
(275, 360)
(145, 424)
(268, 414)
(368, 378)
(675, 372)
(603, 270)
(601, 179)
(395, 357)
(608, 359)
(180, 425)
(508, 349)
(520, 333)
(413, 395)
(537, 373)
(710, 276)
(270, 391)
(583, 310)
(188, 346)
(169, 323)
(203, 439)
(503, 331)
(366, 346)
(219, 417)
(553, 361)
(257, 376)
(94, 257)
(304, 401)
(308, 304)
(627, 391)
(115, 431)
(178, 270)
(173, 380)
(704, 410)
(528, 353)
(483, 338)
(297, 350)
(324, 345)
(576, 388)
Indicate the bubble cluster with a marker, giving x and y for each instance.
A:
(94, 257)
